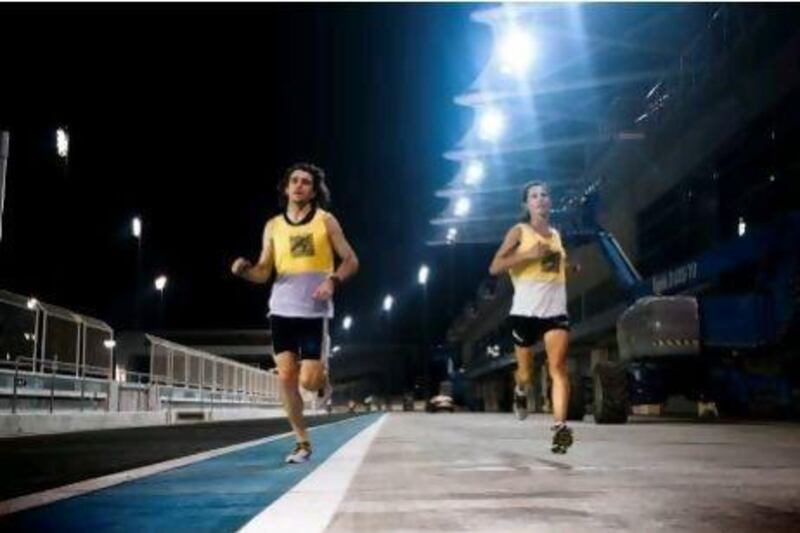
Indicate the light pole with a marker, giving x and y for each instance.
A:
(161, 284)
(452, 234)
(422, 280)
(110, 344)
(388, 303)
(62, 148)
(4, 142)
(62, 144)
(136, 232)
(33, 305)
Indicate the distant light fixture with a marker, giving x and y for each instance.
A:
(62, 143)
(462, 206)
(742, 226)
(136, 227)
(491, 124)
(423, 274)
(109, 343)
(161, 283)
(474, 173)
(347, 323)
(388, 303)
(336, 349)
(32, 303)
(452, 233)
(515, 52)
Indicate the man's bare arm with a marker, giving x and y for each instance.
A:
(262, 270)
(349, 261)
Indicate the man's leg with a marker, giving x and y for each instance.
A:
(314, 367)
(312, 374)
(288, 372)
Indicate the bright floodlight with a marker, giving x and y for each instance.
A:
(109, 343)
(515, 52)
(32, 303)
(474, 173)
(347, 323)
(422, 275)
(491, 124)
(136, 227)
(742, 226)
(161, 282)
(462, 206)
(62, 143)
(388, 302)
(452, 233)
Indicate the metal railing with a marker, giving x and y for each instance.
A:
(52, 382)
(52, 358)
(48, 333)
(196, 375)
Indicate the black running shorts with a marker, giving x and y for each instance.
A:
(303, 337)
(527, 331)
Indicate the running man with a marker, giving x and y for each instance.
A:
(534, 257)
(299, 245)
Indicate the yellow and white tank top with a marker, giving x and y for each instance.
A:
(540, 286)
(303, 259)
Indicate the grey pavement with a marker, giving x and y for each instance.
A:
(491, 472)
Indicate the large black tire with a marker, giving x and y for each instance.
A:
(610, 393)
(577, 398)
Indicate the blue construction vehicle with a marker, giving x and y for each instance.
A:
(695, 328)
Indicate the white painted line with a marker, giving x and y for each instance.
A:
(441, 503)
(90, 485)
(311, 504)
(486, 469)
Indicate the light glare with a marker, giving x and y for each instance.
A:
(491, 124)
(515, 52)
(452, 233)
(62, 142)
(462, 206)
(475, 172)
(136, 227)
(422, 276)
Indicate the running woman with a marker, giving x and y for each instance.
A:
(534, 256)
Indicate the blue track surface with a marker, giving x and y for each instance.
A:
(219, 494)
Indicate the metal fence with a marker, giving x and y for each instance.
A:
(46, 333)
(52, 358)
(52, 387)
(178, 366)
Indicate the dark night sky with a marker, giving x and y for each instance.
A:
(188, 114)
